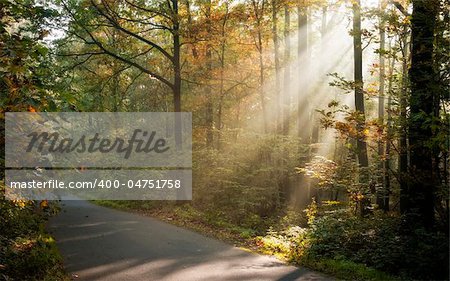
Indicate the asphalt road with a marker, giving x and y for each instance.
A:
(98, 243)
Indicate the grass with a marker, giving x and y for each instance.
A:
(345, 270)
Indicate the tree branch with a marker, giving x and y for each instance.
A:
(114, 55)
(400, 8)
(126, 31)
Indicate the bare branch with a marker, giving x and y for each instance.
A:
(148, 10)
(126, 31)
(114, 55)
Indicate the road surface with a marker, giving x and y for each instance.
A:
(99, 243)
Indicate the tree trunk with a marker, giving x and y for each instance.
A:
(189, 32)
(421, 181)
(285, 181)
(115, 85)
(177, 75)
(303, 120)
(221, 87)
(316, 119)
(287, 72)
(381, 191)
(208, 90)
(389, 137)
(361, 145)
(219, 117)
(403, 143)
(277, 65)
(258, 9)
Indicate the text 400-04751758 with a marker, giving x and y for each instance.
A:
(154, 184)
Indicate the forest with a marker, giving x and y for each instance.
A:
(320, 128)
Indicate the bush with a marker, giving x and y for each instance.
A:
(339, 243)
(379, 242)
(26, 251)
(33, 259)
(244, 183)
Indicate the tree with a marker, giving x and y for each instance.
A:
(382, 193)
(424, 95)
(323, 33)
(402, 140)
(287, 71)
(303, 122)
(276, 58)
(26, 77)
(158, 21)
(208, 88)
(259, 8)
(361, 146)
(222, 92)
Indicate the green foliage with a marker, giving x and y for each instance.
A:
(356, 248)
(345, 269)
(283, 243)
(244, 184)
(27, 252)
(379, 242)
(341, 176)
(34, 259)
(25, 72)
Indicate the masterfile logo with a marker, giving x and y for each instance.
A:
(116, 139)
(111, 156)
(140, 142)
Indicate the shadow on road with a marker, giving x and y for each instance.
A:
(98, 243)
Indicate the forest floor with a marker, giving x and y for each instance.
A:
(100, 243)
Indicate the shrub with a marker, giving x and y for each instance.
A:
(244, 183)
(26, 251)
(356, 248)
